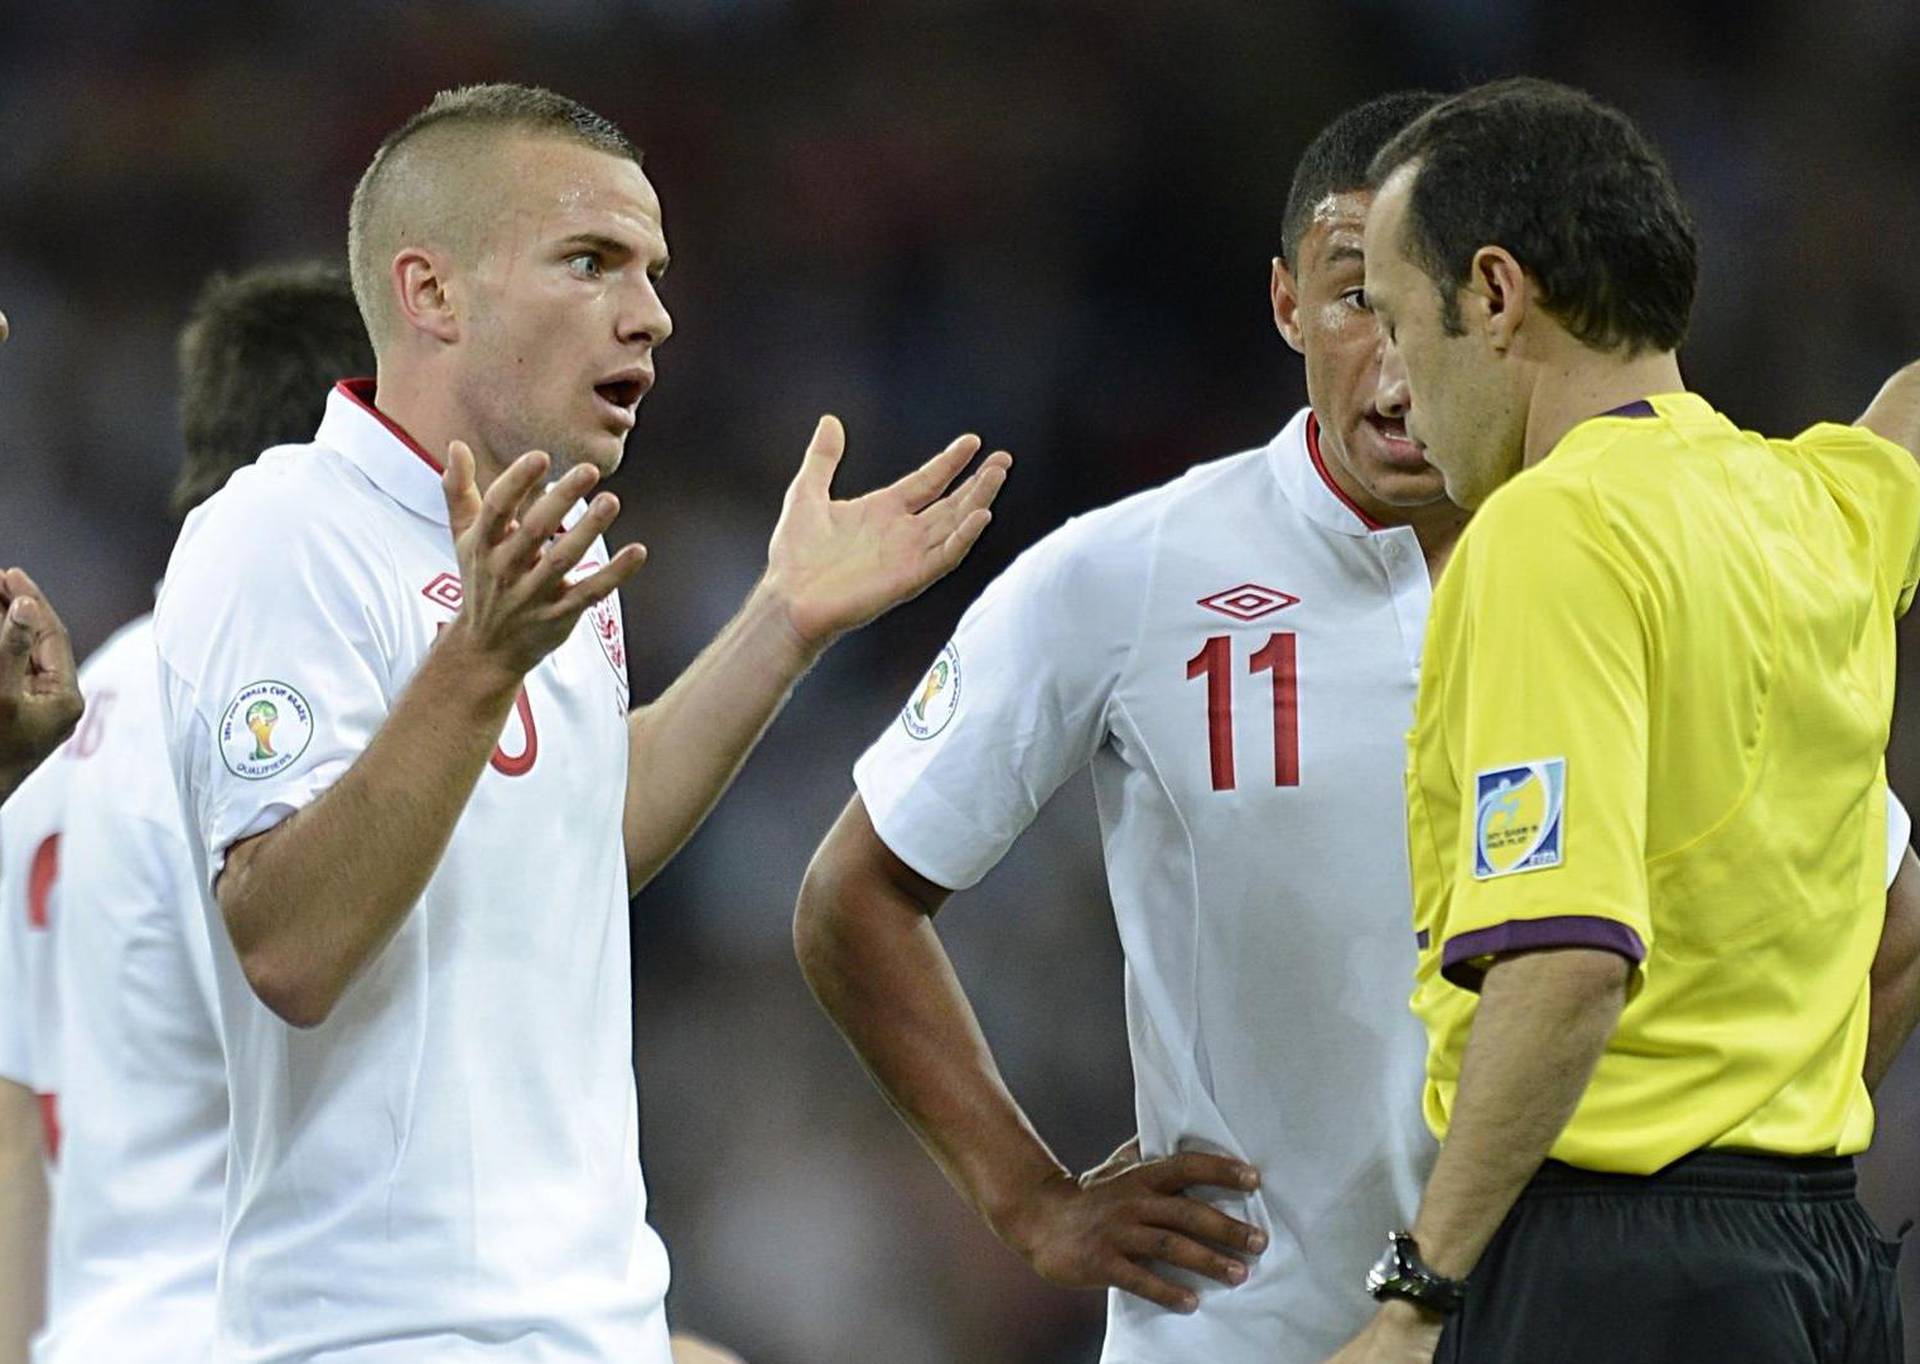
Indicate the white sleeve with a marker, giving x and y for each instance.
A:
(274, 658)
(1011, 708)
(1899, 833)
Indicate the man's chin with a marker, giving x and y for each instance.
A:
(1407, 489)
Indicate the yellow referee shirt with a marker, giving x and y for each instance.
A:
(1653, 710)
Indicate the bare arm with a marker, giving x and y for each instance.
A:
(39, 685)
(310, 902)
(1542, 1025)
(689, 1349)
(864, 934)
(1896, 974)
(23, 1222)
(831, 567)
(1895, 411)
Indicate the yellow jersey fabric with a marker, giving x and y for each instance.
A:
(1654, 703)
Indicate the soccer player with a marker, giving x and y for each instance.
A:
(40, 703)
(1645, 786)
(143, 1092)
(1234, 654)
(396, 708)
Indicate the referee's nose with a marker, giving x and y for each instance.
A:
(1391, 396)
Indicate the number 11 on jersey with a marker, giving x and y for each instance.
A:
(1215, 663)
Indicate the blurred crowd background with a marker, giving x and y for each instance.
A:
(1046, 220)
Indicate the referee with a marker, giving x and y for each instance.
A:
(1645, 790)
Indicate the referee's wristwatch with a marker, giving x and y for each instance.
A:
(1401, 1273)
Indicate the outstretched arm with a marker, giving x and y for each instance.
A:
(831, 567)
(1895, 411)
(864, 934)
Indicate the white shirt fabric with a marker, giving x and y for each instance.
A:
(143, 1105)
(447, 1168)
(30, 918)
(1266, 927)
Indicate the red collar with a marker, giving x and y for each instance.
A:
(360, 393)
(1320, 467)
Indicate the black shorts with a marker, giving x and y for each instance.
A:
(1720, 1258)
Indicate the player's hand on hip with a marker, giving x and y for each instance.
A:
(39, 684)
(517, 604)
(835, 565)
(1119, 1224)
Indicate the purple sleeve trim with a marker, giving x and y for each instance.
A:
(1526, 935)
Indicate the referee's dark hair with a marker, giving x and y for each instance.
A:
(1572, 189)
(258, 356)
(1336, 161)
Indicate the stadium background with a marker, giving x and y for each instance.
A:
(1047, 221)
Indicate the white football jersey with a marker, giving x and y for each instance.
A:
(1236, 654)
(447, 1168)
(143, 1097)
(32, 896)
(29, 914)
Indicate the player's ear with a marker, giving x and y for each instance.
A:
(1286, 304)
(421, 295)
(1498, 291)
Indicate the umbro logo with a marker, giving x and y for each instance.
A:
(444, 591)
(1249, 601)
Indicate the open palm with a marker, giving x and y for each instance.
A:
(837, 565)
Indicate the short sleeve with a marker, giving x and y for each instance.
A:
(275, 668)
(1882, 479)
(1899, 833)
(1555, 742)
(1012, 706)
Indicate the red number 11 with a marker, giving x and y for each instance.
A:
(1277, 656)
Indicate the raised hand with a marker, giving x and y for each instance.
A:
(837, 565)
(39, 684)
(1109, 1227)
(517, 605)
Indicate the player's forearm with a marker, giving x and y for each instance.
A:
(1895, 411)
(1895, 1002)
(869, 951)
(684, 749)
(309, 903)
(23, 1222)
(1542, 1024)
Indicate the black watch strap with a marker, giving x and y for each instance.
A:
(1401, 1273)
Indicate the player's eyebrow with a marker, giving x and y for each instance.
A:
(1334, 255)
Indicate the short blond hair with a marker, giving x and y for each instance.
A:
(393, 201)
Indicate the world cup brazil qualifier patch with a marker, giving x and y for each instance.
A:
(265, 730)
(1519, 818)
(936, 698)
